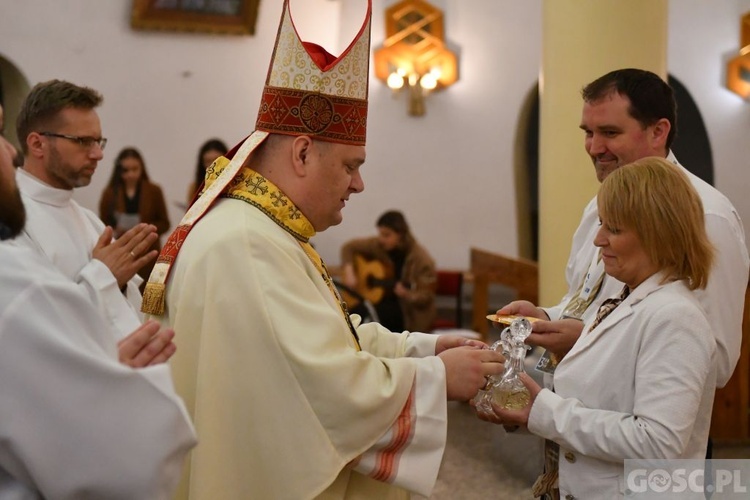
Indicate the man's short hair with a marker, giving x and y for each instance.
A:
(651, 98)
(45, 101)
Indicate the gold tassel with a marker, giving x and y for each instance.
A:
(154, 299)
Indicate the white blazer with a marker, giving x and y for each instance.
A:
(640, 385)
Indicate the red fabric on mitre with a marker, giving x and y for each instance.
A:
(320, 56)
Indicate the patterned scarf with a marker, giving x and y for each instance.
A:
(608, 306)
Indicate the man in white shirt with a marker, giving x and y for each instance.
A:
(74, 421)
(61, 139)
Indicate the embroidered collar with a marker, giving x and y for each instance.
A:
(251, 187)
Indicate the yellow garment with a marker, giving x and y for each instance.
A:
(281, 398)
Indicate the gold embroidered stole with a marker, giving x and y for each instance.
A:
(155, 293)
(251, 187)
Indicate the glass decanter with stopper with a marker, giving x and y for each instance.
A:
(507, 391)
(483, 399)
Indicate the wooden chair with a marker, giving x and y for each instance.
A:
(519, 274)
(450, 284)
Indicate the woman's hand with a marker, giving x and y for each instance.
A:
(512, 419)
(523, 308)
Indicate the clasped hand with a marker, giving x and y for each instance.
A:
(128, 253)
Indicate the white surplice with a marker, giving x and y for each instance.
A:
(75, 422)
(66, 233)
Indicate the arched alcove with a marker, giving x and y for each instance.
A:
(14, 87)
(691, 146)
(526, 173)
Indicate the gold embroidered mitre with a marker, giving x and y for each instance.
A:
(308, 92)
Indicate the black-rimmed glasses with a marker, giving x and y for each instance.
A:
(86, 142)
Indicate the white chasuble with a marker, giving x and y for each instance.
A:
(287, 401)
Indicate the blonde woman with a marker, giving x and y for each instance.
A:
(639, 382)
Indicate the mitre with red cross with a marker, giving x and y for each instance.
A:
(307, 92)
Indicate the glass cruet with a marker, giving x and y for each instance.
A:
(509, 392)
(483, 400)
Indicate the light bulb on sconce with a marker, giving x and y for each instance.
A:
(429, 81)
(414, 54)
(395, 81)
(738, 68)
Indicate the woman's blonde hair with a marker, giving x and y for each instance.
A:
(656, 200)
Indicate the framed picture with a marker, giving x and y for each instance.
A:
(234, 17)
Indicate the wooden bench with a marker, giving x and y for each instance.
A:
(486, 267)
(730, 421)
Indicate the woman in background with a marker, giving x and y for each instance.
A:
(209, 151)
(409, 301)
(130, 198)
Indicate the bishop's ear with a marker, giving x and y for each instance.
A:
(301, 150)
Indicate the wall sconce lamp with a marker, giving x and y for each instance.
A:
(414, 54)
(738, 69)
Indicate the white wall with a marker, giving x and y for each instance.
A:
(450, 171)
(703, 36)
(165, 93)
